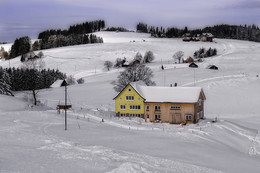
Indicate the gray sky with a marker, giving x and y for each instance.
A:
(29, 17)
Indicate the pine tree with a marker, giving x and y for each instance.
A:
(5, 87)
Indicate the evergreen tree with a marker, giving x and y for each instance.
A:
(20, 46)
(5, 82)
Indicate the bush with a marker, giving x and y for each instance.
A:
(80, 81)
(203, 53)
(108, 65)
(71, 80)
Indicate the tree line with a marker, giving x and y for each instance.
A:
(74, 35)
(27, 79)
(120, 29)
(83, 28)
(21, 79)
(55, 41)
(246, 32)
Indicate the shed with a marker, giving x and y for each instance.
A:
(212, 67)
(58, 83)
(193, 65)
(189, 60)
(186, 37)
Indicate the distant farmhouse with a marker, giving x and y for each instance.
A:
(193, 65)
(206, 37)
(161, 104)
(203, 37)
(212, 67)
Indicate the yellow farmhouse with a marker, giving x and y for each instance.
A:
(164, 104)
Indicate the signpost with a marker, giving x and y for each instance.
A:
(65, 107)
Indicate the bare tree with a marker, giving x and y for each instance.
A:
(108, 65)
(33, 65)
(178, 56)
(118, 63)
(148, 57)
(134, 73)
(138, 57)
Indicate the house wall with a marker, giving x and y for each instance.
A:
(170, 115)
(121, 100)
(199, 109)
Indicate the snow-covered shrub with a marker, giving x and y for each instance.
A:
(80, 81)
(71, 80)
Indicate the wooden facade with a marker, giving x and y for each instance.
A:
(175, 113)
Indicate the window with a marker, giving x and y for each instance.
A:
(175, 107)
(129, 89)
(129, 97)
(157, 116)
(147, 116)
(147, 107)
(157, 107)
(188, 117)
(122, 106)
(135, 107)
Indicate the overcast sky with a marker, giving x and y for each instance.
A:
(29, 17)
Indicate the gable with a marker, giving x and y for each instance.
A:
(126, 91)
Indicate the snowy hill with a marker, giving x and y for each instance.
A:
(34, 139)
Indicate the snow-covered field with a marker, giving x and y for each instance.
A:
(32, 139)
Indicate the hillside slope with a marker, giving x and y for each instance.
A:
(34, 139)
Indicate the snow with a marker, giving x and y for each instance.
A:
(32, 138)
(169, 94)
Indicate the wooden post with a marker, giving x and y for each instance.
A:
(65, 104)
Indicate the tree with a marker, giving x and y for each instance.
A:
(142, 27)
(20, 46)
(33, 66)
(5, 87)
(134, 73)
(108, 65)
(178, 56)
(118, 63)
(40, 54)
(138, 57)
(148, 57)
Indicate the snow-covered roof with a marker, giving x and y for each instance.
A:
(57, 84)
(167, 94)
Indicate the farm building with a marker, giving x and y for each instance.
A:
(193, 65)
(188, 60)
(164, 104)
(58, 83)
(206, 37)
(212, 67)
(186, 37)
